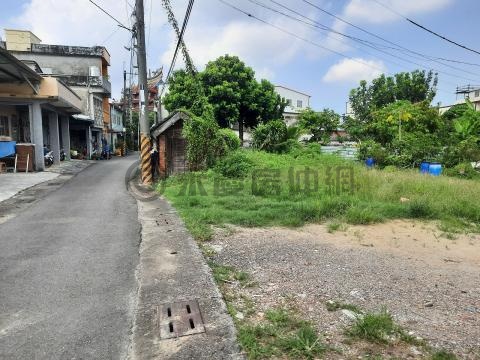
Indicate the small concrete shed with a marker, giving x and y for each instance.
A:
(171, 144)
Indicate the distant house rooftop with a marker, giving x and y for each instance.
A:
(287, 88)
(26, 41)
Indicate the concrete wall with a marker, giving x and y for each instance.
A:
(62, 65)
(20, 40)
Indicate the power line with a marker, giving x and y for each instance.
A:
(299, 37)
(307, 40)
(375, 35)
(179, 43)
(173, 21)
(109, 15)
(426, 29)
(374, 46)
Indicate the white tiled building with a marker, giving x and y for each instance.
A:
(296, 102)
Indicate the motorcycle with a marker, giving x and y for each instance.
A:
(48, 158)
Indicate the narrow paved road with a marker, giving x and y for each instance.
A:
(67, 270)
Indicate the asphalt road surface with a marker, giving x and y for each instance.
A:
(67, 270)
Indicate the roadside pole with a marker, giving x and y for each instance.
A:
(145, 163)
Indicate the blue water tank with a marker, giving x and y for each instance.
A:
(435, 169)
(424, 167)
(370, 162)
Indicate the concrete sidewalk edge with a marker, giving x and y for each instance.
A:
(172, 269)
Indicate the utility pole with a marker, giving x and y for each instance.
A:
(145, 163)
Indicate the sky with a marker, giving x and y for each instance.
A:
(285, 51)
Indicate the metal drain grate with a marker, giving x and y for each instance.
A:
(179, 319)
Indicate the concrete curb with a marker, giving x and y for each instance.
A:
(172, 269)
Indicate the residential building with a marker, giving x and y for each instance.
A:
(296, 102)
(35, 109)
(470, 92)
(83, 69)
(117, 130)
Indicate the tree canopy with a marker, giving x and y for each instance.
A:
(228, 87)
(319, 124)
(415, 86)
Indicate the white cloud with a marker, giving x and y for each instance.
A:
(354, 70)
(369, 11)
(258, 45)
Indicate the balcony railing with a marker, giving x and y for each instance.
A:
(88, 81)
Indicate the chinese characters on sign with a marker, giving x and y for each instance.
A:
(264, 182)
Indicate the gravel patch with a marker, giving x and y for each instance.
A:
(430, 284)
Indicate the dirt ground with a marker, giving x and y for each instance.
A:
(430, 283)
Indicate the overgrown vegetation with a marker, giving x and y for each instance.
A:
(255, 188)
(396, 125)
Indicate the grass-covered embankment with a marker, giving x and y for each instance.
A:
(377, 195)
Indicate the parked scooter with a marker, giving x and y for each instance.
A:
(48, 156)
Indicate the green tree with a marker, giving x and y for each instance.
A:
(267, 105)
(229, 85)
(185, 91)
(319, 124)
(235, 95)
(228, 89)
(417, 86)
(401, 117)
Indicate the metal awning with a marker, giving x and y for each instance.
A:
(13, 70)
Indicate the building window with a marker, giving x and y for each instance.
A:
(299, 103)
(289, 102)
(477, 93)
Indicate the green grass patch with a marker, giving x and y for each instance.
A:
(380, 328)
(443, 355)
(374, 327)
(337, 305)
(228, 274)
(294, 189)
(281, 335)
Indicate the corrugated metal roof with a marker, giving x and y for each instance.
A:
(13, 70)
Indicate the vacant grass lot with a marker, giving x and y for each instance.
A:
(292, 189)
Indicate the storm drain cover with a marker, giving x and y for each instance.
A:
(180, 319)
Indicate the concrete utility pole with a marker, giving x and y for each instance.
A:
(145, 163)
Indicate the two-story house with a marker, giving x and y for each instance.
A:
(296, 102)
(84, 70)
(35, 109)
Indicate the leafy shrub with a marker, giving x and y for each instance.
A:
(463, 151)
(234, 165)
(370, 148)
(463, 170)
(311, 150)
(230, 139)
(276, 137)
(414, 148)
(269, 136)
(204, 143)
